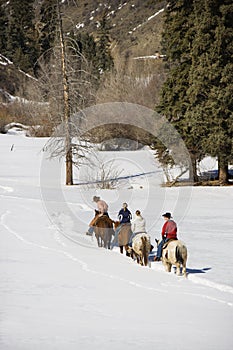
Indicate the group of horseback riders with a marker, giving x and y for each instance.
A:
(138, 225)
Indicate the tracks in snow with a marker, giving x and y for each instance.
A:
(59, 239)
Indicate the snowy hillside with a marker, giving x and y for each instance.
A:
(60, 291)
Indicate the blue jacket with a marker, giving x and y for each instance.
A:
(124, 216)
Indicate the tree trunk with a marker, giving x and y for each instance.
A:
(193, 174)
(68, 148)
(69, 168)
(222, 171)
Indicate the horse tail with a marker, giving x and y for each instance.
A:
(144, 250)
(179, 255)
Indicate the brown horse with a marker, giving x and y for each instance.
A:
(103, 229)
(124, 236)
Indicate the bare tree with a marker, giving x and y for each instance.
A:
(101, 172)
(66, 97)
(132, 81)
(64, 87)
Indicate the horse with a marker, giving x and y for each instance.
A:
(141, 248)
(103, 229)
(124, 236)
(174, 253)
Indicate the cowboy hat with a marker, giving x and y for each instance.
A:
(167, 215)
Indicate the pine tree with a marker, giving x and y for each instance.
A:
(211, 91)
(84, 46)
(177, 43)
(197, 95)
(46, 27)
(3, 27)
(21, 46)
(105, 60)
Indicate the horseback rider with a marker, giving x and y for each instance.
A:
(124, 214)
(138, 224)
(124, 217)
(102, 209)
(169, 231)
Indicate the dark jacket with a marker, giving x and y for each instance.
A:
(124, 216)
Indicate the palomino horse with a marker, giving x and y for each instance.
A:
(141, 248)
(124, 236)
(103, 229)
(174, 253)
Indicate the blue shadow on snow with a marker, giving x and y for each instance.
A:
(189, 270)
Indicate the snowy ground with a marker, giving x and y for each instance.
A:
(60, 291)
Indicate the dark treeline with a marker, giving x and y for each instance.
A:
(197, 97)
(197, 42)
(29, 32)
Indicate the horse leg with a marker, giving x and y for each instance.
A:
(126, 249)
(109, 238)
(184, 272)
(168, 267)
(178, 269)
(105, 242)
(121, 249)
(140, 258)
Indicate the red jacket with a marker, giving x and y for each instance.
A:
(169, 229)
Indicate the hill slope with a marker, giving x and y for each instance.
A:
(134, 26)
(60, 291)
(134, 29)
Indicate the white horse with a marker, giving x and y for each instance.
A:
(175, 253)
(141, 248)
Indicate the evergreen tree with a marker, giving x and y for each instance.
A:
(177, 43)
(210, 92)
(46, 26)
(83, 45)
(89, 50)
(105, 60)
(197, 95)
(84, 73)
(21, 46)
(3, 27)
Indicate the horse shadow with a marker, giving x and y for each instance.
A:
(188, 270)
(197, 271)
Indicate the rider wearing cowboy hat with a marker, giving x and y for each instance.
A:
(169, 231)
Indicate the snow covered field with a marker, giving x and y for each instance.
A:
(60, 291)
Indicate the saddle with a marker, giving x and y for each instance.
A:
(170, 240)
(105, 218)
(96, 218)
